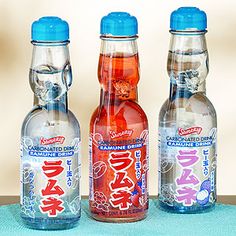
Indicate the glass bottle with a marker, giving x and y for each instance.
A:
(118, 128)
(50, 135)
(187, 120)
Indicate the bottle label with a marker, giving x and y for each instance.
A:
(50, 174)
(118, 173)
(187, 166)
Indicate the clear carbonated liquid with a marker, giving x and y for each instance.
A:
(50, 133)
(187, 124)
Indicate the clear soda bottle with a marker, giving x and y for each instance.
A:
(50, 135)
(118, 128)
(187, 120)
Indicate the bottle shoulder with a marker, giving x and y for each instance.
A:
(198, 104)
(128, 112)
(39, 119)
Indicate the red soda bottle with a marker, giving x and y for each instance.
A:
(119, 128)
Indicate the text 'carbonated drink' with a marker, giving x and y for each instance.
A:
(119, 128)
(50, 136)
(187, 120)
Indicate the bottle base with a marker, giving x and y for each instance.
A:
(118, 220)
(185, 210)
(50, 224)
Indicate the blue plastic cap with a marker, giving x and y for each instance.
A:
(119, 24)
(188, 18)
(50, 28)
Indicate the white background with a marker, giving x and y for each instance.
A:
(16, 97)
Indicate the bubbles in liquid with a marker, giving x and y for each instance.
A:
(188, 69)
(50, 83)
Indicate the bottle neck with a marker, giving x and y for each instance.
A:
(58, 105)
(50, 75)
(187, 63)
(118, 70)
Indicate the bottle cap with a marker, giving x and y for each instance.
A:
(188, 18)
(119, 24)
(50, 28)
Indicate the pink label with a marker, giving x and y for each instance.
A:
(127, 133)
(57, 139)
(192, 130)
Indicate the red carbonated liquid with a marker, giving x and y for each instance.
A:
(118, 144)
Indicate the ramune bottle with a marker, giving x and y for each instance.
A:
(50, 136)
(187, 120)
(118, 128)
